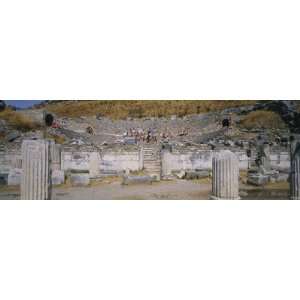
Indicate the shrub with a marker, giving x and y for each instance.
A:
(121, 109)
(262, 119)
(17, 120)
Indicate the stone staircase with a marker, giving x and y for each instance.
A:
(152, 161)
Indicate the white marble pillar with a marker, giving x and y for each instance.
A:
(225, 176)
(36, 182)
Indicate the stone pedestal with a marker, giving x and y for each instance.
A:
(36, 182)
(295, 171)
(225, 176)
(263, 158)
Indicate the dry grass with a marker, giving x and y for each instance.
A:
(205, 180)
(9, 188)
(282, 185)
(17, 120)
(57, 138)
(263, 119)
(121, 109)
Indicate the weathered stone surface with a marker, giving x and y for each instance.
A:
(225, 176)
(17, 163)
(263, 158)
(82, 179)
(36, 181)
(94, 164)
(295, 171)
(179, 174)
(55, 151)
(137, 180)
(190, 175)
(14, 177)
(12, 136)
(152, 161)
(58, 177)
(258, 179)
(282, 177)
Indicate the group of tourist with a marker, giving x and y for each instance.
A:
(151, 135)
(141, 135)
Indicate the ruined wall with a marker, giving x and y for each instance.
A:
(280, 160)
(111, 161)
(107, 161)
(9, 161)
(75, 160)
(119, 161)
(172, 161)
(202, 159)
(10, 167)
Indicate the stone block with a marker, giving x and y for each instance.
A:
(179, 174)
(190, 175)
(58, 177)
(137, 180)
(14, 177)
(80, 179)
(282, 177)
(55, 153)
(12, 136)
(258, 179)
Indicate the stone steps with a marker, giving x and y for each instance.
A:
(152, 161)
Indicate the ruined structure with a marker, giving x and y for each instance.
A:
(263, 158)
(295, 171)
(36, 182)
(152, 161)
(225, 176)
(57, 174)
(55, 152)
(164, 148)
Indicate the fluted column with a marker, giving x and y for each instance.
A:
(295, 171)
(225, 176)
(36, 183)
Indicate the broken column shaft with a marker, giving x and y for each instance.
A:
(225, 176)
(35, 184)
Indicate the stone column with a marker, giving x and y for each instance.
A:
(36, 182)
(225, 176)
(94, 161)
(55, 152)
(295, 171)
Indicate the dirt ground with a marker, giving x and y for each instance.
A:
(175, 189)
(178, 189)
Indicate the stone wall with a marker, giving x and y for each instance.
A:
(119, 161)
(202, 159)
(280, 160)
(107, 161)
(116, 160)
(172, 161)
(75, 160)
(9, 161)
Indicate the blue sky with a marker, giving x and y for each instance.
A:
(22, 103)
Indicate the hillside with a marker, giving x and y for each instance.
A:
(122, 109)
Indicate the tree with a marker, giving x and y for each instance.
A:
(2, 105)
